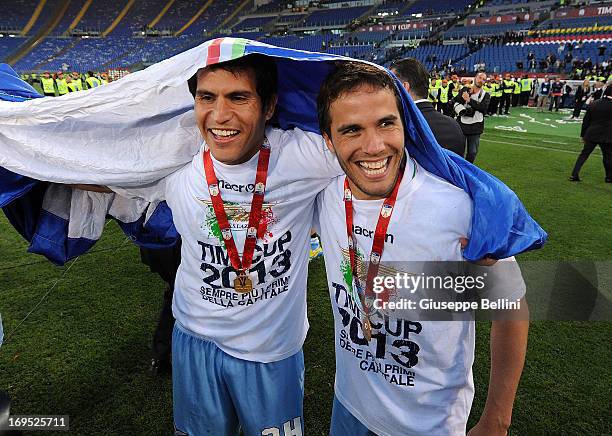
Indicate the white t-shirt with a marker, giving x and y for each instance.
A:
(269, 323)
(414, 377)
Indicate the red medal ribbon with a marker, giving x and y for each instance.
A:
(378, 244)
(253, 231)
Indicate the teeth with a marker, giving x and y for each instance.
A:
(374, 168)
(225, 133)
(374, 165)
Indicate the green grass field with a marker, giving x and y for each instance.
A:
(84, 350)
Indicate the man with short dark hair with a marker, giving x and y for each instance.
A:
(414, 78)
(388, 366)
(470, 106)
(240, 291)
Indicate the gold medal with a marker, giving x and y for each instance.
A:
(367, 329)
(242, 283)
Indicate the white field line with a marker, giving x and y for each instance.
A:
(554, 142)
(538, 148)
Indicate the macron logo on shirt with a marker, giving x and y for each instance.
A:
(370, 233)
(236, 187)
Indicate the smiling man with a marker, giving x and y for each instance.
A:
(394, 374)
(244, 209)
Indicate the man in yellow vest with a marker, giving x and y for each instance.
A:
(71, 84)
(91, 81)
(48, 84)
(62, 85)
(516, 93)
(433, 93)
(507, 89)
(443, 98)
(526, 86)
(488, 89)
(494, 102)
(76, 79)
(455, 85)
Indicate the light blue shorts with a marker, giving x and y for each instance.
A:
(217, 394)
(343, 423)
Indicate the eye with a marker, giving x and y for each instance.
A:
(205, 98)
(351, 131)
(387, 123)
(240, 99)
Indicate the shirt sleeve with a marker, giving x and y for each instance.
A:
(503, 280)
(312, 156)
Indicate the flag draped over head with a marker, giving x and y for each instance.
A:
(141, 128)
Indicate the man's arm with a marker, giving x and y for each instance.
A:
(508, 349)
(481, 106)
(585, 123)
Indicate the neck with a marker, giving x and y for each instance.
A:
(246, 157)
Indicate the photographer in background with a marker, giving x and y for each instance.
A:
(470, 106)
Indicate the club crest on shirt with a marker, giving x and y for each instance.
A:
(347, 194)
(227, 234)
(386, 210)
(238, 217)
(374, 257)
(213, 189)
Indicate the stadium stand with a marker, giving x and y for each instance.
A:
(15, 18)
(8, 45)
(432, 7)
(334, 17)
(272, 7)
(485, 30)
(179, 13)
(99, 16)
(253, 23)
(44, 52)
(437, 55)
(74, 8)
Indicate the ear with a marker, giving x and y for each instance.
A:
(271, 107)
(406, 86)
(329, 143)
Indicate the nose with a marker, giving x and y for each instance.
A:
(373, 142)
(222, 111)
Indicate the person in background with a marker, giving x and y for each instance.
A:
(556, 91)
(496, 94)
(446, 130)
(92, 81)
(516, 92)
(165, 262)
(543, 94)
(72, 86)
(526, 86)
(598, 89)
(470, 106)
(508, 91)
(596, 130)
(48, 84)
(434, 92)
(76, 78)
(62, 84)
